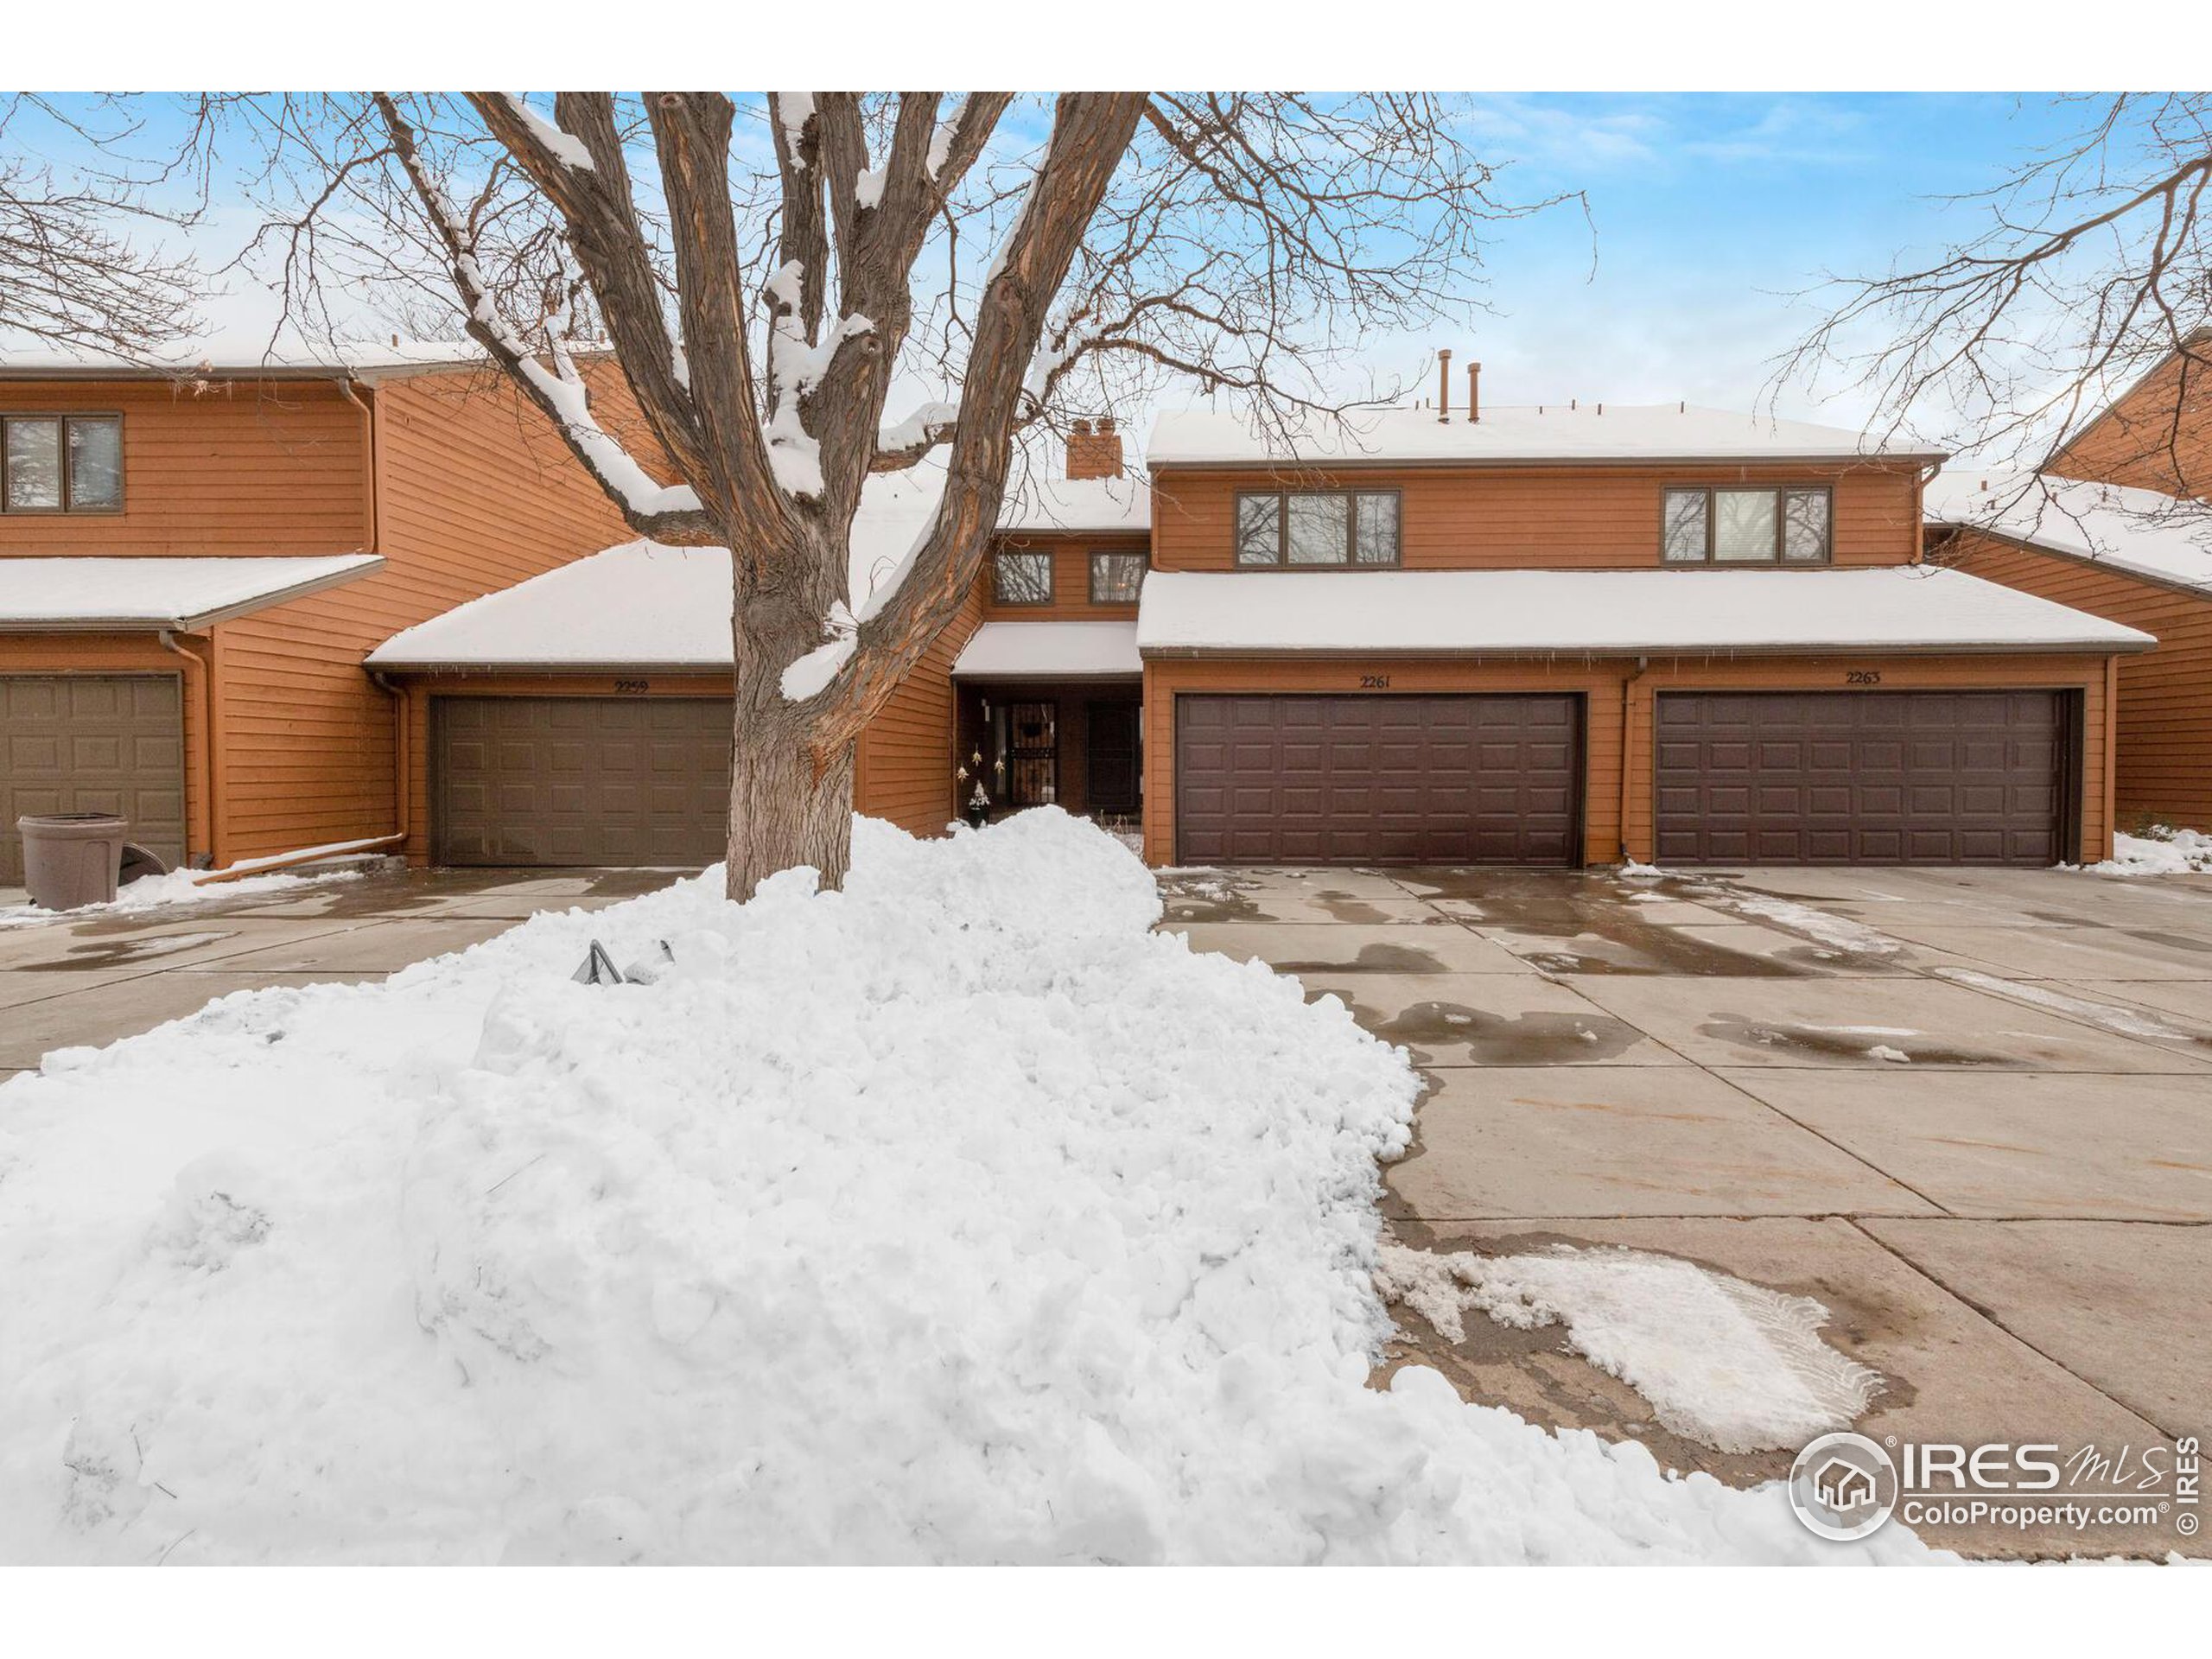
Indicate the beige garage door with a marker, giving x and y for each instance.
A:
(580, 780)
(91, 743)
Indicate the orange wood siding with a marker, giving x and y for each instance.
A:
(474, 493)
(1615, 747)
(2156, 435)
(905, 757)
(1071, 579)
(274, 467)
(131, 653)
(2164, 708)
(1585, 517)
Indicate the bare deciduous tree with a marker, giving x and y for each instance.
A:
(765, 273)
(70, 280)
(2092, 267)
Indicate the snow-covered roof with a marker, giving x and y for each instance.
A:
(1043, 502)
(1616, 612)
(1536, 433)
(2138, 532)
(1062, 651)
(42, 594)
(637, 606)
(234, 355)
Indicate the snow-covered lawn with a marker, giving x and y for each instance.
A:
(956, 1217)
(2160, 850)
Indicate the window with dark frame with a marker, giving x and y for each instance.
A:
(1701, 525)
(1116, 578)
(1021, 578)
(1317, 529)
(60, 463)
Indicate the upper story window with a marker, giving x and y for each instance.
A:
(1116, 578)
(1021, 576)
(1717, 526)
(1317, 527)
(62, 463)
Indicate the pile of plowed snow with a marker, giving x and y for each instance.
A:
(955, 1217)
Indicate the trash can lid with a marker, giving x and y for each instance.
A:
(60, 820)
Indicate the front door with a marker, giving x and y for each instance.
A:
(1032, 755)
(1112, 758)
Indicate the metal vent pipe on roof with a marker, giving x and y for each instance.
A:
(1444, 387)
(1474, 393)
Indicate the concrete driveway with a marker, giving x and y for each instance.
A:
(64, 984)
(1970, 1112)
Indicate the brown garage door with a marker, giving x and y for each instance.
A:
(1377, 780)
(580, 780)
(91, 743)
(1871, 778)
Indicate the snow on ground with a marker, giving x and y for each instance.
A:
(955, 1217)
(1835, 932)
(1736, 1365)
(178, 889)
(2160, 850)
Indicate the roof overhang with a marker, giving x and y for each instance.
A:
(1591, 614)
(1295, 465)
(156, 594)
(1051, 651)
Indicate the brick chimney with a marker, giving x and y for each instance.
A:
(1094, 450)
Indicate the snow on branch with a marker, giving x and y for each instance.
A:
(560, 391)
(811, 675)
(564, 147)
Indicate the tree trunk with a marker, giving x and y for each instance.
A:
(782, 811)
(790, 803)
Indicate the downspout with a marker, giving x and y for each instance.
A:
(198, 669)
(403, 771)
(1628, 745)
(368, 461)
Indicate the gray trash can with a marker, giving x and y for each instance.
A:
(72, 858)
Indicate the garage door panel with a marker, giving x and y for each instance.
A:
(1908, 777)
(1401, 779)
(93, 743)
(581, 780)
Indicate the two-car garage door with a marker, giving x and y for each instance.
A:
(1750, 778)
(1392, 779)
(93, 743)
(580, 780)
(1862, 778)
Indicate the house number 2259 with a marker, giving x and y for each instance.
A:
(1374, 682)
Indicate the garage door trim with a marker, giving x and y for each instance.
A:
(1576, 703)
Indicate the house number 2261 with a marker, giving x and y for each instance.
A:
(1374, 682)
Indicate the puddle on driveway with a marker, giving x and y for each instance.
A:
(1850, 1043)
(1209, 898)
(1527, 1040)
(1372, 959)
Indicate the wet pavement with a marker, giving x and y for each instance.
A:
(65, 984)
(1969, 1111)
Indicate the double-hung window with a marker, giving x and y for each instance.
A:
(1741, 526)
(1116, 578)
(1021, 576)
(1305, 528)
(60, 463)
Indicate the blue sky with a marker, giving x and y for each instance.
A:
(1710, 213)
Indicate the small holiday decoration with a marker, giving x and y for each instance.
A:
(977, 808)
